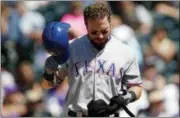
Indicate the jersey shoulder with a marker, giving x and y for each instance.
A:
(77, 47)
(77, 41)
(122, 50)
(122, 47)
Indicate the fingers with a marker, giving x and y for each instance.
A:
(51, 63)
(58, 79)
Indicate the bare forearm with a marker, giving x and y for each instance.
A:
(137, 90)
(45, 84)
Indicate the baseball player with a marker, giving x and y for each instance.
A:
(103, 73)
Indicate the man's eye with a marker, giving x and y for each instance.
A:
(104, 32)
(93, 33)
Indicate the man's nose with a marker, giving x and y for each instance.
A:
(100, 36)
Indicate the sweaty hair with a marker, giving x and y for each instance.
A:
(96, 11)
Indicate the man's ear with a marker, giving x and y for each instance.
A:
(86, 24)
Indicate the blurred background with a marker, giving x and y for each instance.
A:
(150, 28)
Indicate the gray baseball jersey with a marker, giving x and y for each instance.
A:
(97, 74)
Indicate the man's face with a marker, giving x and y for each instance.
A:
(99, 31)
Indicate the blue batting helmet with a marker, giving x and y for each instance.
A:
(55, 38)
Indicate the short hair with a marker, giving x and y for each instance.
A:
(96, 11)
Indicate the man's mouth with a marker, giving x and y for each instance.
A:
(99, 44)
(99, 41)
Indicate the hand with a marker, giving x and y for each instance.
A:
(125, 99)
(51, 73)
(97, 108)
(116, 103)
(51, 64)
(54, 78)
(119, 101)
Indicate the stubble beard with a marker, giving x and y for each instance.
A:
(98, 46)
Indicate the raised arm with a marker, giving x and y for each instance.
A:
(56, 42)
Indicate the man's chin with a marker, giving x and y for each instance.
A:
(100, 43)
(98, 46)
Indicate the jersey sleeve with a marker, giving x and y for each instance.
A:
(132, 74)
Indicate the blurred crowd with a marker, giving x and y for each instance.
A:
(151, 29)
